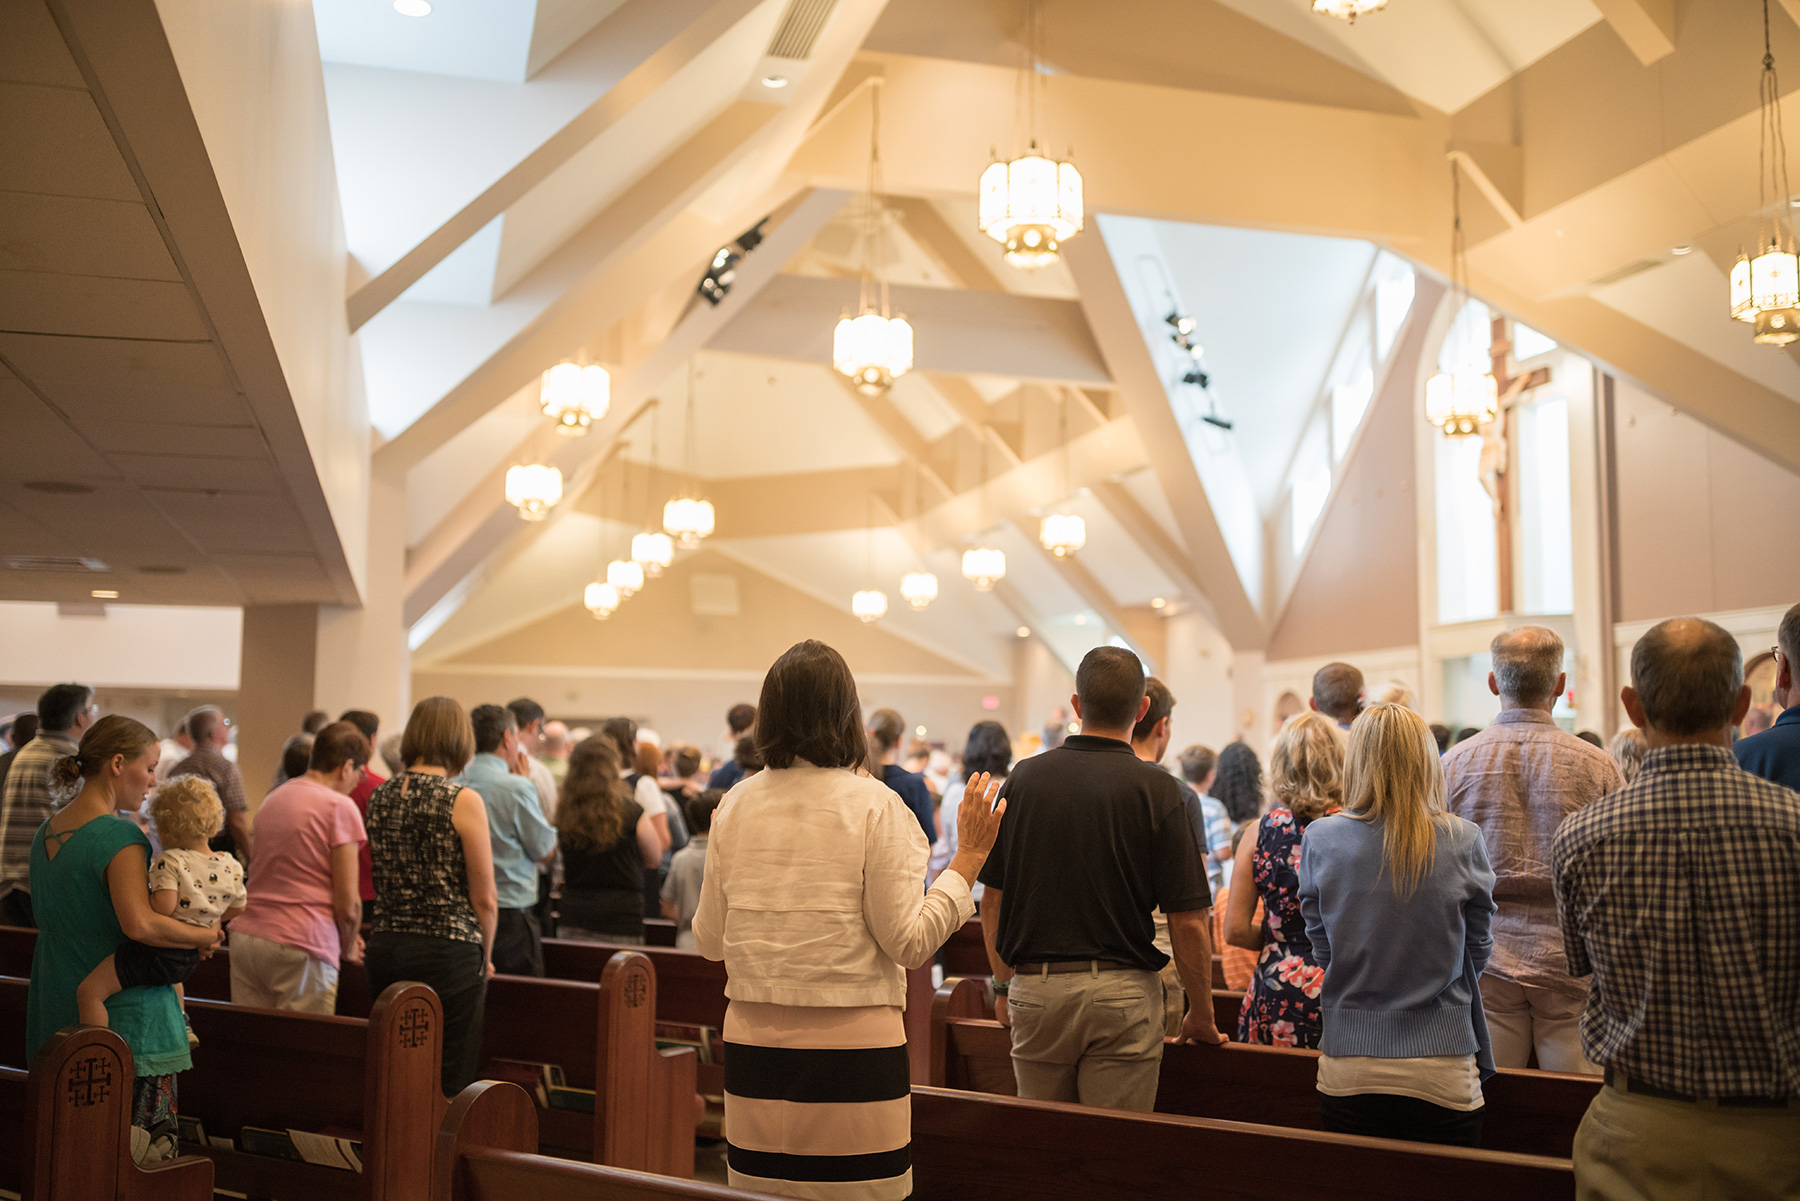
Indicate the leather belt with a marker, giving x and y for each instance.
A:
(1638, 1088)
(1064, 966)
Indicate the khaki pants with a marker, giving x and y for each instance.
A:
(1633, 1148)
(1522, 1019)
(273, 975)
(1093, 1037)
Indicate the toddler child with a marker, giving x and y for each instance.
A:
(681, 889)
(187, 882)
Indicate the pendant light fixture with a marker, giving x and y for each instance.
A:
(984, 566)
(1031, 205)
(688, 518)
(919, 588)
(1765, 290)
(653, 550)
(1062, 534)
(534, 489)
(1348, 10)
(1460, 402)
(601, 597)
(869, 604)
(575, 396)
(874, 348)
(624, 574)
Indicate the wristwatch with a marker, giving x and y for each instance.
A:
(1002, 987)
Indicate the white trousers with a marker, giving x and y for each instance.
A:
(273, 975)
(1522, 1019)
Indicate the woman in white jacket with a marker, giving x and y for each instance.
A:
(814, 896)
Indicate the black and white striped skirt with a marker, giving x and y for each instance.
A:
(818, 1101)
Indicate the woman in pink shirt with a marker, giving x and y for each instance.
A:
(305, 905)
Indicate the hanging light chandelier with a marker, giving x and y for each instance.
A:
(919, 588)
(873, 348)
(534, 489)
(1460, 402)
(1765, 290)
(984, 566)
(1348, 10)
(575, 396)
(1031, 205)
(688, 518)
(653, 551)
(869, 605)
(602, 600)
(626, 576)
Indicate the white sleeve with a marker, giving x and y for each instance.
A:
(909, 922)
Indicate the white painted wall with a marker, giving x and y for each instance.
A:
(132, 646)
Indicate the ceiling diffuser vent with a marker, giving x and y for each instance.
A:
(49, 563)
(1624, 273)
(799, 28)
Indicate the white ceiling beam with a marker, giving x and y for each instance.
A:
(1150, 537)
(1094, 594)
(955, 330)
(686, 41)
(1646, 26)
(479, 533)
(598, 277)
(1147, 405)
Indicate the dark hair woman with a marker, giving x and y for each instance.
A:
(1239, 784)
(436, 899)
(89, 885)
(814, 896)
(988, 752)
(608, 842)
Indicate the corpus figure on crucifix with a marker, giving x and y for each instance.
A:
(1496, 450)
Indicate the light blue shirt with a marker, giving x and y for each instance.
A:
(516, 827)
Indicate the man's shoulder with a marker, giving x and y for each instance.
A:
(1779, 741)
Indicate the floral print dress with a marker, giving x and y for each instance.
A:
(1282, 1007)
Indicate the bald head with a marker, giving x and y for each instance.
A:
(1528, 667)
(1687, 679)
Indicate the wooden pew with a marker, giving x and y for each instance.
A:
(65, 1128)
(645, 1099)
(484, 1154)
(968, 1145)
(1528, 1112)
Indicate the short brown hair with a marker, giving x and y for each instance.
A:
(339, 743)
(809, 710)
(1162, 703)
(186, 808)
(1110, 683)
(1687, 673)
(362, 719)
(1337, 691)
(438, 734)
(740, 717)
(687, 760)
(887, 728)
(1197, 763)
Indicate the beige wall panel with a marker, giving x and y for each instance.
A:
(1695, 512)
(275, 689)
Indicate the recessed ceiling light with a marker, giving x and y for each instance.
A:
(1157, 602)
(104, 594)
(773, 82)
(1023, 631)
(413, 8)
(1688, 249)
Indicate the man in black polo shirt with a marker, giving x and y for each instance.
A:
(1094, 839)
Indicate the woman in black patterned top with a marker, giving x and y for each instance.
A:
(436, 901)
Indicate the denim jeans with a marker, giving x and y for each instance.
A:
(457, 972)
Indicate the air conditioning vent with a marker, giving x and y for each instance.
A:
(799, 28)
(49, 563)
(1624, 273)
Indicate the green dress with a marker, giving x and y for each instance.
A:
(77, 928)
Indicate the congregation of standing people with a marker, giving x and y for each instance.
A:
(1420, 908)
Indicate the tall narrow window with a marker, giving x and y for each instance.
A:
(1467, 562)
(1546, 553)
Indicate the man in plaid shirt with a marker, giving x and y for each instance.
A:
(65, 711)
(1681, 893)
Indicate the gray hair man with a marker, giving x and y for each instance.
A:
(1681, 894)
(210, 730)
(1518, 780)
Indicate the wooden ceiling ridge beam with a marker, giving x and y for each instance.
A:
(684, 45)
(478, 537)
(641, 241)
(1647, 27)
(1147, 405)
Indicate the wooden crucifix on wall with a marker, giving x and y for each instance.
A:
(1496, 450)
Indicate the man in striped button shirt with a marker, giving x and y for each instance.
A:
(1681, 894)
